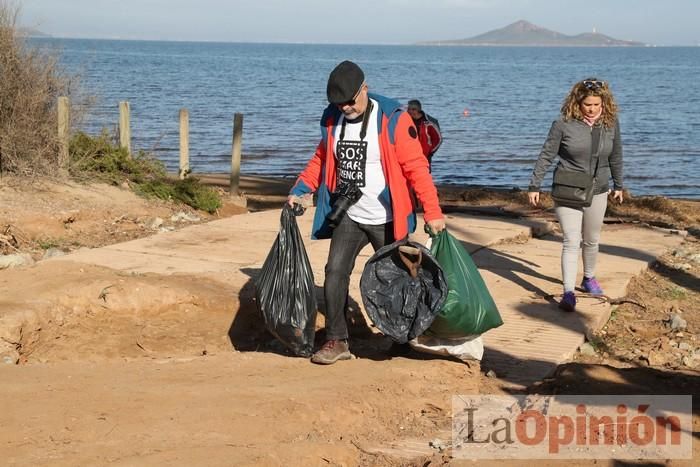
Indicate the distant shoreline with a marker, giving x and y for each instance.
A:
(368, 44)
(266, 185)
(573, 46)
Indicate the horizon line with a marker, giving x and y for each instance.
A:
(432, 43)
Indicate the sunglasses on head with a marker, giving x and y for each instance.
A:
(593, 84)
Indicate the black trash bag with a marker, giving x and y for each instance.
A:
(284, 290)
(400, 305)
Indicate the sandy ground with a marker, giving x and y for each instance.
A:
(135, 377)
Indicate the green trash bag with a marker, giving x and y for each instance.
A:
(469, 308)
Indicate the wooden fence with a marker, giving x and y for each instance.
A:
(125, 140)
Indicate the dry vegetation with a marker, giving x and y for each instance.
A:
(32, 81)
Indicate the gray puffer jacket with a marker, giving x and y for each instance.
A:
(571, 141)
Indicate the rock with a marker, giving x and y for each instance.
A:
(677, 323)
(184, 217)
(53, 253)
(673, 343)
(491, 374)
(155, 223)
(8, 353)
(587, 349)
(13, 261)
(656, 358)
(684, 346)
(437, 444)
(691, 362)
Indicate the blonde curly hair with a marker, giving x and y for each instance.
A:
(571, 108)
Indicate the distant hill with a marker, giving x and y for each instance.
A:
(31, 32)
(523, 33)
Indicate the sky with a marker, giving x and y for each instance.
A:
(658, 22)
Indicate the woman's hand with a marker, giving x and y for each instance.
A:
(617, 195)
(534, 197)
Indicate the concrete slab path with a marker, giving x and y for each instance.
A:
(520, 271)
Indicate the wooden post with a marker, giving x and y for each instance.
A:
(125, 126)
(184, 143)
(236, 155)
(63, 133)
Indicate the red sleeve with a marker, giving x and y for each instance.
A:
(311, 175)
(415, 168)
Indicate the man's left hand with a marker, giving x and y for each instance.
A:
(437, 225)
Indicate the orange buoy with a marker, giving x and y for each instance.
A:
(465, 112)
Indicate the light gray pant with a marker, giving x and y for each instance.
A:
(575, 223)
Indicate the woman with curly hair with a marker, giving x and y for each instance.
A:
(587, 140)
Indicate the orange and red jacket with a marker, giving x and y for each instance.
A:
(403, 163)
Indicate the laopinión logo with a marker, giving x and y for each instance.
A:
(572, 427)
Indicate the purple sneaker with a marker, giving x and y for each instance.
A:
(568, 302)
(591, 286)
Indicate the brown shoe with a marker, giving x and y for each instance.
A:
(331, 352)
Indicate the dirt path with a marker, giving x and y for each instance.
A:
(138, 369)
(230, 409)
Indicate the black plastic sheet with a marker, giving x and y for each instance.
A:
(402, 306)
(284, 290)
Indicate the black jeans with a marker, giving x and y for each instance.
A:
(348, 239)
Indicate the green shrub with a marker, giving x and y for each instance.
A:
(101, 159)
(192, 192)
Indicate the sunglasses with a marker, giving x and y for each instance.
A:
(593, 85)
(352, 101)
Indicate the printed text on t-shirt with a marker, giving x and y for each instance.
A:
(352, 161)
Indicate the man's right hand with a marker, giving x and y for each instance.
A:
(534, 197)
(305, 201)
(292, 199)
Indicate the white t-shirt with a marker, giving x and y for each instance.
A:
(369, 209)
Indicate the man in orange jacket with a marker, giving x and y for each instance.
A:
(368, 160)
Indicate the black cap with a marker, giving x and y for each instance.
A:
(344, 82)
